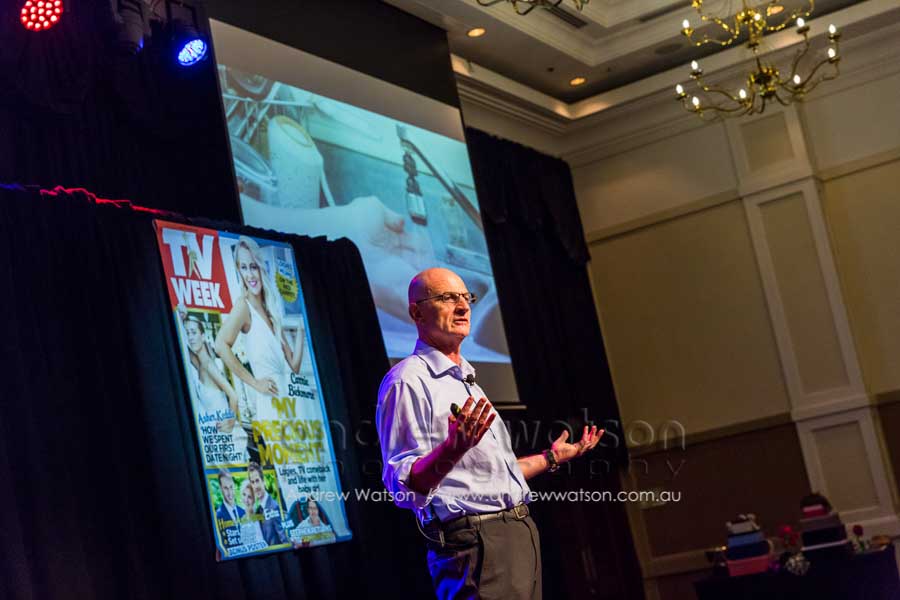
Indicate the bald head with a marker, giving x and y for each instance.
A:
(443, 325)
(434, 281)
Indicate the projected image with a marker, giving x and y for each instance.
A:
(311, 165)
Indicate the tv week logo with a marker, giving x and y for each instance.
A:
(196, 276)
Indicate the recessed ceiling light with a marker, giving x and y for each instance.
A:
(577, 81)
(476, 32)
(774, 9)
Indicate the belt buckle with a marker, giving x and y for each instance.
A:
(524, 508)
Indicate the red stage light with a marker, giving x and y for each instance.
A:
(41, 14)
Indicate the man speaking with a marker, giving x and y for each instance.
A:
(449, 458)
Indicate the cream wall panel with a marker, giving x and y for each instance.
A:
(804, 234)
(803, 295)
(842, 453)
(863, 214)
(854, 123)
(685, 321)
(766, 141)
(656, 177)
(769, 149)
(846, 462)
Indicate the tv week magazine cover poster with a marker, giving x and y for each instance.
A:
(263, 435)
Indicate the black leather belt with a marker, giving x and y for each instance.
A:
(517, 513)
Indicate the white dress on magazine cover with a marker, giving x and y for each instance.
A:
(264, 352)
(212, 406)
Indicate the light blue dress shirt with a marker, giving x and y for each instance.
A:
(412, 419)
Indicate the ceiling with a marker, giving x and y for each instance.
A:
(611, 43)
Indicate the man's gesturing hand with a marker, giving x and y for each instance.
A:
(565, 452)
(466, 429)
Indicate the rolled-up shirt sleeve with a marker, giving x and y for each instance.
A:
(403, 422)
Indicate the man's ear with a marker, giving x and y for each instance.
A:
(415, 313)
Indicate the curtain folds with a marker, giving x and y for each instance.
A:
(539, 257)
(102, 494)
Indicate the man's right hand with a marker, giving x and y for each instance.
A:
(466, 429)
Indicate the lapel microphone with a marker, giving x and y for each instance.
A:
(454, 408)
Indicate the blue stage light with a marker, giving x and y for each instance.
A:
(192, 52)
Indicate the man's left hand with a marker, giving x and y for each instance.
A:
(565, 452)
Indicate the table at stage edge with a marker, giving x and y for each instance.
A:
(869, 576)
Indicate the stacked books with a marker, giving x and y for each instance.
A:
(748, 549)
(822, 530)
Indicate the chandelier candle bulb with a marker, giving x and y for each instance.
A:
(679, 91)
(832, 54)
(743, 94)
(695, 101)
(797, 80)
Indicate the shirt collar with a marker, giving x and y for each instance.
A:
(439, 363)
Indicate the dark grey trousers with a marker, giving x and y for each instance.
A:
(497, 559)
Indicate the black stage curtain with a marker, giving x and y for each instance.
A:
(74, 112)
(540, 256)
(102, 495)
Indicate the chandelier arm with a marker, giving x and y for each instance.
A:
(797, 12)
(708, 40)
(780, 100)
(815, 69)
(713, 90)
(522, 13)
(799, 56)
(734, 31)
(816, 83)
(719, 107)
(722, 109)
(490, 2)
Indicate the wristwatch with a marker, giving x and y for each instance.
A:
(551, 460)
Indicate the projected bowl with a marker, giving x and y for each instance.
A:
(256, 180)
(296, 162)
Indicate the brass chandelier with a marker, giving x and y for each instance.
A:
(765, 83)
(523, 7)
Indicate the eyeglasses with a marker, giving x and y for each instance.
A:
(452, 298)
